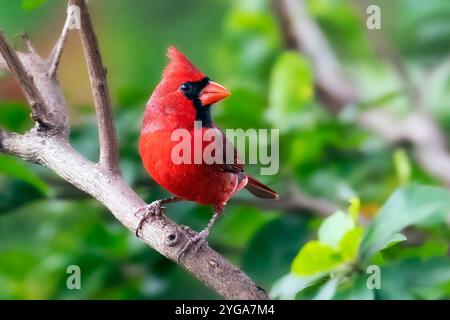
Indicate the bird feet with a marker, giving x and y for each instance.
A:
(151, 210)
(198, 240)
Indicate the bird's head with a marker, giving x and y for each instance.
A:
(185, 92)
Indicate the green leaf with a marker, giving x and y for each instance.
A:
(422, 29)
(239, 226)
(402, 166)
(38, 241)
(377, 259)
(349, 244)
(328, 290)
(288, 286)
(396, 238)
(234, 115)
(381, 100)
(333, 228)
(407, 206)
(291, 89)
(355, 289)
(14, 116)
(29, 5)
(315, 257)
(252, 41)
(354, 208)
(270, 252)
(430, 248)
(16, 168)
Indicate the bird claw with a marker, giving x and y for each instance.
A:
(151, 210)
(189, 230)
(198, 240)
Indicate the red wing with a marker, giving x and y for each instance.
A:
(236, 165)
(231, 160)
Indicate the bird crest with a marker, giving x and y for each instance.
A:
(179, 66)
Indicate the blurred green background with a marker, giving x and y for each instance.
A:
(47, 225)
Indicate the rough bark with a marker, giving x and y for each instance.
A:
(47, 144)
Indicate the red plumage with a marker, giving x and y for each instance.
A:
(172, 107)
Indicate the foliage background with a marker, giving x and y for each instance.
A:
(46, 224)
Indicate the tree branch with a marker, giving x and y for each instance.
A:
(336, 92)
(296, 200)
(109, 151)
(105, 183)
(56, 54)
(27, 41)
(43, 93)
(13, 143)
(26, 82)
(300, 32)
(384, 48)
(160, 233)
(419, 129)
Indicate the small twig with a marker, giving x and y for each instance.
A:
(55, 56)
(3, 135)
(296, 201)
(27, 41)
(26, 83)
(109, 154)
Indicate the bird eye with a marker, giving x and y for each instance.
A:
(186, 87)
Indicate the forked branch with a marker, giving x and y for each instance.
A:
(55, 56)
(109, 151)
(26, 83)
(49, 146)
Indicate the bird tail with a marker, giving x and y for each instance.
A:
(260, 190)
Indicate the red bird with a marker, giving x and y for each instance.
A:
(184, 96)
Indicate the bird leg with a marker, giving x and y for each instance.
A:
(200, 238)
(153, 209)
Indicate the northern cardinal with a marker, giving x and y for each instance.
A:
(184, 96)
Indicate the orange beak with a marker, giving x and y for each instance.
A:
(213, 93)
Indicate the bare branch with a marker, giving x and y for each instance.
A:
(32, 69)
(56, 54)
(17, 144)
(107, 186)
(109, 154)
(161, 233)
(301, 33)
(420, 129)
(27, 41)
(296, 200)
(26, 83)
